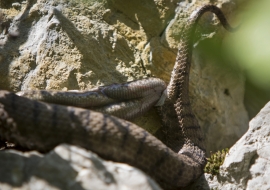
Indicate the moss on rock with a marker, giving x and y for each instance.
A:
(215, 161)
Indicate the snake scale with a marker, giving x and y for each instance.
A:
(42, 126)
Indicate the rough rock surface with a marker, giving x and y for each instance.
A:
(69, 45)
(247, 165)
(68, 167)
(82, 44)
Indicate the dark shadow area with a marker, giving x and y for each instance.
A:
(5, 4)
(200, 183)
(255, 98)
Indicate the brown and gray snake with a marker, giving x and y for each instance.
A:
(42, 126)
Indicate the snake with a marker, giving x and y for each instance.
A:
(29, 122)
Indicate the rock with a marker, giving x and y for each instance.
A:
(247, 165)
(66, 45)
(68, 167)
(16, 5)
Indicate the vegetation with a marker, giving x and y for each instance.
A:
(215, 161)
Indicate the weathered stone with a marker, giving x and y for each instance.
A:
(68, 167)
(247, 165)
(69, 45)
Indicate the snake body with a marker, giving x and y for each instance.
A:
(126, 101)
(42, 126)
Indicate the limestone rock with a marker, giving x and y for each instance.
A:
(68, 167)
(247, 165)
(67, 45)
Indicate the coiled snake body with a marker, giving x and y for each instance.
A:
(42, 126)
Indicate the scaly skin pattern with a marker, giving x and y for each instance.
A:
(181, 127)
(42, 126)
(126, 101)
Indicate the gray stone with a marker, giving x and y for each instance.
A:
(247, 165)
(68, 167)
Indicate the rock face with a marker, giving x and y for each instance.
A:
(68, 45)
(247, 165)
(68, 167)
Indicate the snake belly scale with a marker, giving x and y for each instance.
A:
(29, 122)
